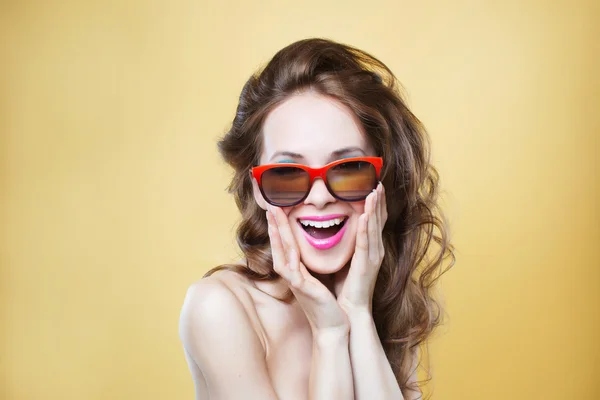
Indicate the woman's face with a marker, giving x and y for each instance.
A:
(315, 130)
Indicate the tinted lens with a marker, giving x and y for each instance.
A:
(285, 185)
(352, 180)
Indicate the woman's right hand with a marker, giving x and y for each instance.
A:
(320, 306)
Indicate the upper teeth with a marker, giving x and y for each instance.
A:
(322, 224)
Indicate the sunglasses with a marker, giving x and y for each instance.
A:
(288, 184)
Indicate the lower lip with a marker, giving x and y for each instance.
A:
(327, 243)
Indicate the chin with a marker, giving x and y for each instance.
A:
(324, 265)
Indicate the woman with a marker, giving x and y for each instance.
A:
(337, 196)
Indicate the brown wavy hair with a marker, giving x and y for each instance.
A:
(404, 310)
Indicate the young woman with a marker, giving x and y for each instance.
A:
(339, 205)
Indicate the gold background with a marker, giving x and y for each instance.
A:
(113, 195)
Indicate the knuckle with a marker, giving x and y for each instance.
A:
(362, 245)
(374, 256)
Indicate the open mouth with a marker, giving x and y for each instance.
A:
(323, 229)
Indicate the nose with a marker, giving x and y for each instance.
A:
(319, 196)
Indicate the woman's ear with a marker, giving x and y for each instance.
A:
(260, 200)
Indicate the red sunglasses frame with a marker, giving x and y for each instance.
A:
(313, 173)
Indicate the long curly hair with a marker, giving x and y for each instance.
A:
(404, 309)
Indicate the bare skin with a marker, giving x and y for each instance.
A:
(277, 332)
(242, 342)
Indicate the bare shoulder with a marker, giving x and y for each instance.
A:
(213, 304)
(218, 334)
(212, 290)
(226, 298)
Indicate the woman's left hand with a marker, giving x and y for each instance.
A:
(357, 291)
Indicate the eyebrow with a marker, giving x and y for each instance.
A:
(334, 154)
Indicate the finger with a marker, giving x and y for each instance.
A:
(302, 283)
(287, 268)
(276, 244)
(361, 250)
(381, 217)
(285, 231)
(380, 205)
(383, 206)
(277, 251)
(376, 208)
(296, 276)
(311, 286)
(373, 230)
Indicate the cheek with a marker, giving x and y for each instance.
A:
(358, 207)
(258, 195)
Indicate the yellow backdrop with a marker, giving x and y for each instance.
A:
(113, 196)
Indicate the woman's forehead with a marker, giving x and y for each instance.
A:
(313, 126)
